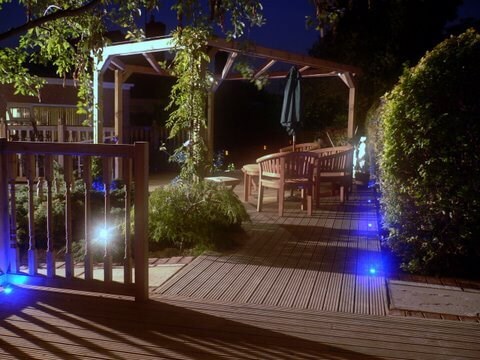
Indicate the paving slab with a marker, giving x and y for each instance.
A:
(452, 300)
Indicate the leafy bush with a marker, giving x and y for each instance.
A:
(189, 215)
(430, 160)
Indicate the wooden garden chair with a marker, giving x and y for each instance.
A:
(287, 170)
(336, 169)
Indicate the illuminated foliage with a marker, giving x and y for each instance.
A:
(209, 214)
(430, 160)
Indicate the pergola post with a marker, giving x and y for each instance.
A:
(210, 123)
(97, 105)
(348, 80)
(351, 112)
(118, 117)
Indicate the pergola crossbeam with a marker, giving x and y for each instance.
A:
(283, 56)
(283, 74)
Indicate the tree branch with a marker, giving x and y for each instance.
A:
(50, 17)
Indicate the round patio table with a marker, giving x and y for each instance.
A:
(250, 171)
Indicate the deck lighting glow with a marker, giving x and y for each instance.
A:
(369, 201)
(6, 289)
(17, 279)
(370, 225)
(372, 271)
(264, 147)
(103, 234)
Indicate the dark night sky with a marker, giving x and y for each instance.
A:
(285, 28)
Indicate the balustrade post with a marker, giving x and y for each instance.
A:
(3, 128)
(107, 257)
(60, 138)
(13, 251)
(141, 220)
(87, 180)
(4, 218)
(127, 261)
(50, 241)
(32, 247)
(68, 177)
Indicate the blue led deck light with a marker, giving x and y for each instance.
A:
(6, 289)
(372, 271)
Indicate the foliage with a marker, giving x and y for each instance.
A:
(65, 35)
(374, 132)
(187, 215)
(188, 98)
(430, 160)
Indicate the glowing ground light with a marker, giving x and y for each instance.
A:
(6, 290)
(369, 225)
(103, 233)
(372, 271)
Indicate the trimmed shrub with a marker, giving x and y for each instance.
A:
(430, 160)
(199, 215)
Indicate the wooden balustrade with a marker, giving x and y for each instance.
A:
(42, 260)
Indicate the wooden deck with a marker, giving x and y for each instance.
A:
(37, 324)
(298, 288)
(323, 262)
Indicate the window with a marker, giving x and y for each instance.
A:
(18, 114)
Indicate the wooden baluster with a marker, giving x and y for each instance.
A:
(87, 180)
(127, 261)
(14, 252)
(48, 173)
(32, 250)
(141, 221)
(68, 177)
(107, 257)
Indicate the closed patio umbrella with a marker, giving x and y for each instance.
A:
(290, 117)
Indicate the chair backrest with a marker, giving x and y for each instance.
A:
(271, 165)
(300, 165)
(288, 165)
(332, 150)
(341, 161)
(301, 147)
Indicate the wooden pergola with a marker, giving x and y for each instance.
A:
(117, 58)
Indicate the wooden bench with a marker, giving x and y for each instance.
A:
(335, 166)
(301, 147)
